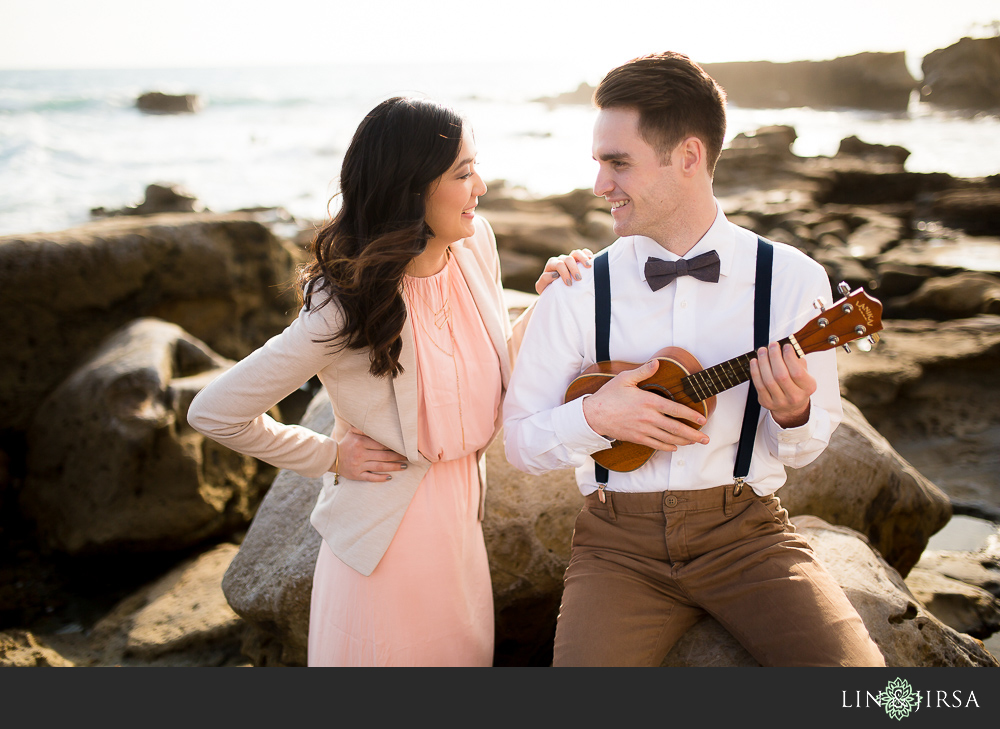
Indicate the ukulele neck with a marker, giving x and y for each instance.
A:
(711, 381)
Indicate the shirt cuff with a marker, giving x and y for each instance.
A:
(787, 440)
(572, 429)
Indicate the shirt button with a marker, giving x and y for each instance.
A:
(680, 462)
(684, 304)
(670, 500)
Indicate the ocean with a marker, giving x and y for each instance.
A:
(73, 140)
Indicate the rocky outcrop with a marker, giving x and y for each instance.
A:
(180, 619)
(156, 102)
(862, 483)
(965, 75)
(112, 464)
(906, 632)
(932, 389)
(878, 81)
(219, 277)
(161, 197)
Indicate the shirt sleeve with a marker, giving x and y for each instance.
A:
(542, 432)
(232, 409)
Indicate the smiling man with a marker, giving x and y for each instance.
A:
(693, 529)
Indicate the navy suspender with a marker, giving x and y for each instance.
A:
(761, 332)
(602, 322)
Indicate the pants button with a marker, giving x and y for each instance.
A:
(670, 500)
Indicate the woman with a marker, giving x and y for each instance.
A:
(404, 323)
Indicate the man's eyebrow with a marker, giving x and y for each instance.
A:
(611, 156)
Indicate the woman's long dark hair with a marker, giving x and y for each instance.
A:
(359, 257)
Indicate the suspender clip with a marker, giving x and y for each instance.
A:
(600, 493)
(738, 486)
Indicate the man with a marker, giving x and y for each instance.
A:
(659, 547)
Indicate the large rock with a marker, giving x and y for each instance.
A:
(180, 619)
(904, 630)
(269, 581)
(961, 296)
(161, 197)
(112, 465)
(965, 75)
(156, 102)
(864, 81)
(957, 604)
(219, 277)
(860, 482)
(932, 389)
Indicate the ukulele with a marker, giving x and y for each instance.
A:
(681, 378)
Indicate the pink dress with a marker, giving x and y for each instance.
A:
(429, 602)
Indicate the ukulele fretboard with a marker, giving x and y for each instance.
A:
(711, 381)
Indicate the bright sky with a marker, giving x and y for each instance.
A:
(597, 35)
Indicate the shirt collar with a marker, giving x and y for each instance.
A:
(720, 237)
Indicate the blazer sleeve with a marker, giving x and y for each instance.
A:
(232, 409)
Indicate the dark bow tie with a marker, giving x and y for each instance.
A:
(704, 268)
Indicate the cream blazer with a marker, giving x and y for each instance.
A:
(358, 519)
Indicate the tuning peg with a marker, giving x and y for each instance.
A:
(873, 338)
(847, 348)
(843, 288)
(819, 304)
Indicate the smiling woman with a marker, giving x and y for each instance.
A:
(404, 324)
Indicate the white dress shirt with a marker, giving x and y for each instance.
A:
(712, 321)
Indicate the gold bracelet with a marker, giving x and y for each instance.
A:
(336, 467)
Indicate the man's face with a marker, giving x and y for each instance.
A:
(642, 187)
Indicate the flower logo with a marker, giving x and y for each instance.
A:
(898, 699)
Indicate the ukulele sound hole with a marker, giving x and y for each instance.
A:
(659, 390)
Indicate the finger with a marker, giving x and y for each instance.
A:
(797, 366)
(583, 255)
(634, 377)
(549, 274)
(572, 268)
(676, 412)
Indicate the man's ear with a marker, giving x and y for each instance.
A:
(692, 156)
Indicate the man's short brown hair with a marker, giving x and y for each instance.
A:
(675, 99)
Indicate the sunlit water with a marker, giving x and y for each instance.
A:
(73, 140)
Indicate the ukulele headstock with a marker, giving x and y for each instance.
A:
(857, 316)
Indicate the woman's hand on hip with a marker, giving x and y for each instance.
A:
(566, 267)
(364, 459)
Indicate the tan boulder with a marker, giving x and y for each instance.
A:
(960, 296)
(860, 482)
(219, 277)
(112, 464)
(179, 619)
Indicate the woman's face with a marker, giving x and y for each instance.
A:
(452, 198)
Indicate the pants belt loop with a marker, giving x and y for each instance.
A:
(728, 495)
(611, 505)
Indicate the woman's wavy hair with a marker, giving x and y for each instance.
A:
(359, 257)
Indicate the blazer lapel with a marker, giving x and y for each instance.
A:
(405, 387)
(484, 294)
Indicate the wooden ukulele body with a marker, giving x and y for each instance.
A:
(675, 365)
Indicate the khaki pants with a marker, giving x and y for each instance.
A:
(646, 567)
